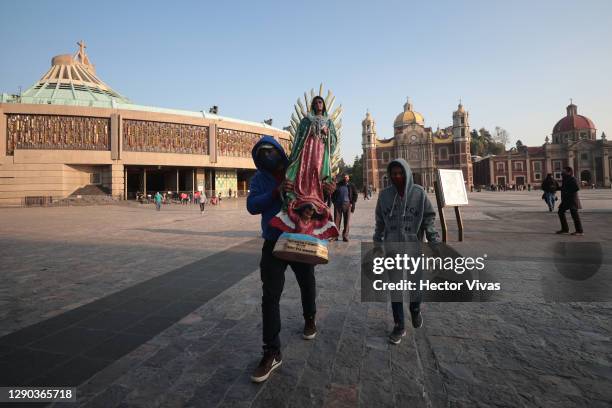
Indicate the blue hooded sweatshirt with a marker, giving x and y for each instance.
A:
(261, 199)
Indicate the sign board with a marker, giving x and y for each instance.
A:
(452, 188)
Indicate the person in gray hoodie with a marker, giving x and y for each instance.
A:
(404, 214)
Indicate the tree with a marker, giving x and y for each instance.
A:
(476, 143)
(342, 166)
(483, 143)
(502, 136)
(356, 173)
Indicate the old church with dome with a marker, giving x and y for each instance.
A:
(422, 147)
(573, 143)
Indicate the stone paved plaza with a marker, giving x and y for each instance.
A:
(139, 308)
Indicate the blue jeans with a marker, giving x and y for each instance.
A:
(397, 304)
(550, 200)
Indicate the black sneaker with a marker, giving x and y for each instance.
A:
(310, 328)
(271, 360)
(417, 319)
(396, 335)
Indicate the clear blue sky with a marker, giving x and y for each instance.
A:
(515, 64)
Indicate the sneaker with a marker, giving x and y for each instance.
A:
(396, 335)
(345, 239)
(271, 361)
(310, 328)
(562, 232)
(577, 233)
(417, 319)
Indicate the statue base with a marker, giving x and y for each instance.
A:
(303, 248)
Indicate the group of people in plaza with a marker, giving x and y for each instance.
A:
(199, 197)
(403, 213)
(186, 198)
(509, 187)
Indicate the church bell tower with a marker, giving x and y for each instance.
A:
(368, 142)
(461, 143)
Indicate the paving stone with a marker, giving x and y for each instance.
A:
(204, 332)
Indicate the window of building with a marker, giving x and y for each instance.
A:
(386, 157)
(557, 175)
(584, 156)
(95, 178)
(537, 176)
(537, 166)
(583, 135)
(462, 132)
(501, 166)
(462, 120)
(444, 153)
(518, 165)
(556, 165)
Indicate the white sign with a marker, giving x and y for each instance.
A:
(452, 188)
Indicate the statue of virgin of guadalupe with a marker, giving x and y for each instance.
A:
(309, 177)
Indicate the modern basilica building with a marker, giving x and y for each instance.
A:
(71, 131)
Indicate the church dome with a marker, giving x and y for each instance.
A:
(573, 121)
(408, 117)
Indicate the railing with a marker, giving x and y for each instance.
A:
(51, 201)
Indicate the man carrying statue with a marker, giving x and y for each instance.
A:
(288, 193)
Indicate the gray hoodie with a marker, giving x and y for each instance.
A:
(407, 218)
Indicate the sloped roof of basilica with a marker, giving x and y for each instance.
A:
(72, 80)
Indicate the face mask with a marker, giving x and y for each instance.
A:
(270, 163)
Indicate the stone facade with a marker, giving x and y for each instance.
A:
(574, 144)
(52, 150)
(424, 149)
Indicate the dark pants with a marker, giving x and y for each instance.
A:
(273, 280)
(575, 217)
(398, 312)
(397, 303)
(202, 205)
(340, 212)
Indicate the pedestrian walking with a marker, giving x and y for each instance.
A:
(404, 214)
(158, 201)
(344, 199)
(202, 200)
(569, 201)
(265, 198)
(549, 188)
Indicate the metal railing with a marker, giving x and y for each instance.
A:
(77, 200)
